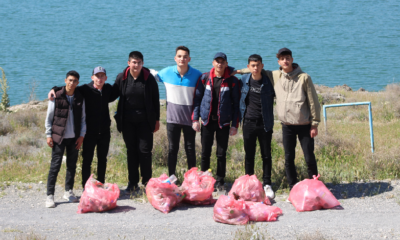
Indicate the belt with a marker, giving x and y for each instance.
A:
(257, 121)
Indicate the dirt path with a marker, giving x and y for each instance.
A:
(371, 211)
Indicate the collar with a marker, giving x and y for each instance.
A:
(189, 71)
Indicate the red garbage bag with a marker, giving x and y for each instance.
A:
(259, 212)
(249, 188)
(230, 211)
(163, 196)
(197, 185)
(98, 197)
(312, 194)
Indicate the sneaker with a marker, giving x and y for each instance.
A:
(219, 186)
(50, 201)
(70, 196)
(269, 192)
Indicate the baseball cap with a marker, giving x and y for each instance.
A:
(284, 50)
(220, 55)
(99, 70)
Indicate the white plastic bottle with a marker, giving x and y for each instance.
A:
(172, 179)
(206, 173)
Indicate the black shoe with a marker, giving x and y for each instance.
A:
(219, 186)
(131, 189)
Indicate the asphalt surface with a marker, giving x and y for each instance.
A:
(370, 211)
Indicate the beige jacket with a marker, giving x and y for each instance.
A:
(296, 98)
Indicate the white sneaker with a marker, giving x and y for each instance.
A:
(70, 196)
(269, 192)
(50, 201)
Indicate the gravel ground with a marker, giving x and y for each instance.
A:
(370, 211)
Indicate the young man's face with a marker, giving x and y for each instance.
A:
(99, 79)
(135, 65)
(71, 82)
(182, 58)
(220, 64)
(255, 67)
(285, 62)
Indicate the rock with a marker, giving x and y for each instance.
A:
(345, 87)
(329, 97)
(41, 182)
(361, 90)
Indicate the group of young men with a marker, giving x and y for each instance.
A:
(212, 103)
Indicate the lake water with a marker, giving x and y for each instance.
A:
(337, 42)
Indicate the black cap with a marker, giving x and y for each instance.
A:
(220, 55)
(284, 50)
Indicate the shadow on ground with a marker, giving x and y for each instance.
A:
(359, 190)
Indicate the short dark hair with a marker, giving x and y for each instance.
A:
(255, 58)
(182, 48)
(136, 55)
(73, 73)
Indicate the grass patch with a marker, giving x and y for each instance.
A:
(251, 231)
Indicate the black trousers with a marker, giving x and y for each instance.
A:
(207, 140)
(56, 161)
(253, 130)
(174, 136)
(138, 139)
(289, 136)
(102, 141)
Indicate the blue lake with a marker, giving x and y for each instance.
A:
(337, 42)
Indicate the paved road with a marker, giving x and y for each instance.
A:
(370, 211)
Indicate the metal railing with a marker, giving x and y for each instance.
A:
(371, 130)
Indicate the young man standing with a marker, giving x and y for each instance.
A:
(137, 117)
(65, 129)
(97, 95)
(180, 82)
(298, 110)
(216, 102)
(256, 108)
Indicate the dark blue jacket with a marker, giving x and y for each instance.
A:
(228, 103)
(267, 100)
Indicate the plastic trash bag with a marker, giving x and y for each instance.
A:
(249, 188)
(163, 196)
(208, 201)
(312, 194)
(230, 211)
(98, 197)
(259, 212)
(198, 186)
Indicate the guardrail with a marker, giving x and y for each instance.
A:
(371, 130)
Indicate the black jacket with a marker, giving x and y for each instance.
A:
(151, 95)
(96, 107)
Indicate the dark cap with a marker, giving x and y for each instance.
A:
(99, 70)
(220, 55)
(284, 50)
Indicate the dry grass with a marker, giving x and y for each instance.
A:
(312, 236)
(343, 152)
(251, 231)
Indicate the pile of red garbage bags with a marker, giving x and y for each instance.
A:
(98, 197)
(312, 194)
(246, 201)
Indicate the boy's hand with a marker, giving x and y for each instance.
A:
(79, 143)
(196, 126)
(314, 131)
(51, 95)
(232, 131)
(50, 142)
(157, 127)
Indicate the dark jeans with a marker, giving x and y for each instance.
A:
(174, 136)
(102, 141)
(207, 140)
(253, 130)
(289, 133)
(138, 139)
(56, 161)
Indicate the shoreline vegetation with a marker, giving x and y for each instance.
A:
(343, 153)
